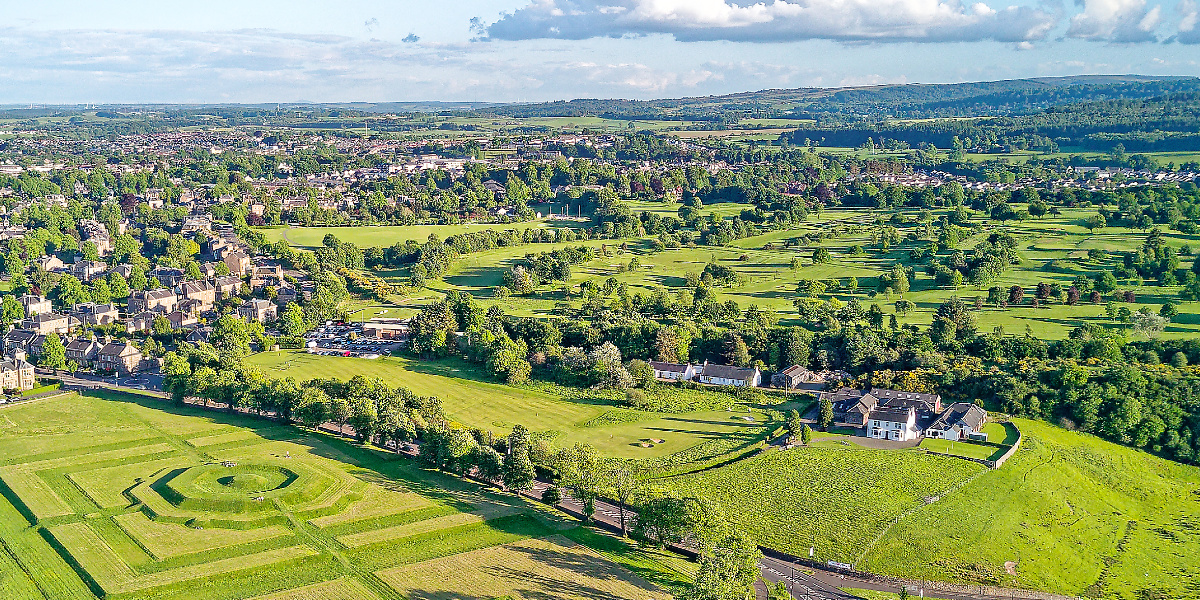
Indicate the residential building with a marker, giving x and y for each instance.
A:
(196, 223)
(180, 319)
(797, 377)
(46, 323)
(192, 307)
(87, 270)
(202, 291)
(227, 286)
(35, 305)
(125, 270)
(37, 346)
(265, 275)
(161, 300)
(16, 373)
(83, 351)
(960, 421)
(729, 375)
(673, 371)
(199, 334)
(896, 424)
(50, 263)
(258, 310)
(238, 262)
(143, 321)
(18, 339)
(929, 403)
(90, 313)
(117, 357)
(851, 406)
(167, 276)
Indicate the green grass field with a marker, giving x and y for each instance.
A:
(223, 507)
(1070, 512)
(832, 496)
(469, 399)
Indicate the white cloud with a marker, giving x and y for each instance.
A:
(69, 66)
(776, 20)
(1189, 22)
(1119, 21)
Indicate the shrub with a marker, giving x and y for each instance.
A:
(552, 495)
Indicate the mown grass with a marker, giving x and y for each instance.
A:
(1073, 513)
(770, 282)
(468, 397)
(125, 551)
(167, 540)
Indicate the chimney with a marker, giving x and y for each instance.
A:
(19, 355)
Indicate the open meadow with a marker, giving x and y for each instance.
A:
(567, 418)
(1071, 513)
(130, 498)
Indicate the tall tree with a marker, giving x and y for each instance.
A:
(825, 419)
(581, 471)
(54, 354)
(727, 571)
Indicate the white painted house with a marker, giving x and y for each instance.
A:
(960, 421)
(896, 424)
(729, 375)
(673, 371)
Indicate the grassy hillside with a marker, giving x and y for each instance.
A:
(834, 496)
(1076, 515)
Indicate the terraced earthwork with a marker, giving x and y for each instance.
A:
(233, 508)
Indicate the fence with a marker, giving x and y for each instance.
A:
(991, 464)
(996, 464)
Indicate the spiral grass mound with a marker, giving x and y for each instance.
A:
(239, 496)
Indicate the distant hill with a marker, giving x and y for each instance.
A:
(995, 98)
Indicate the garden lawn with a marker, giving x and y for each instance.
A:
(1061, 509)
(963, 448)
(835, 498)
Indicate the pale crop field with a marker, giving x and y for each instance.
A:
(527, 570)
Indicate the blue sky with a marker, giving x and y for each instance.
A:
(68, 51)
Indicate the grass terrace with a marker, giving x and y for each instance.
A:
(153, 501)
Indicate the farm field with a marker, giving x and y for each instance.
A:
(222, 507)
(468, 399)
(1072, 513)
